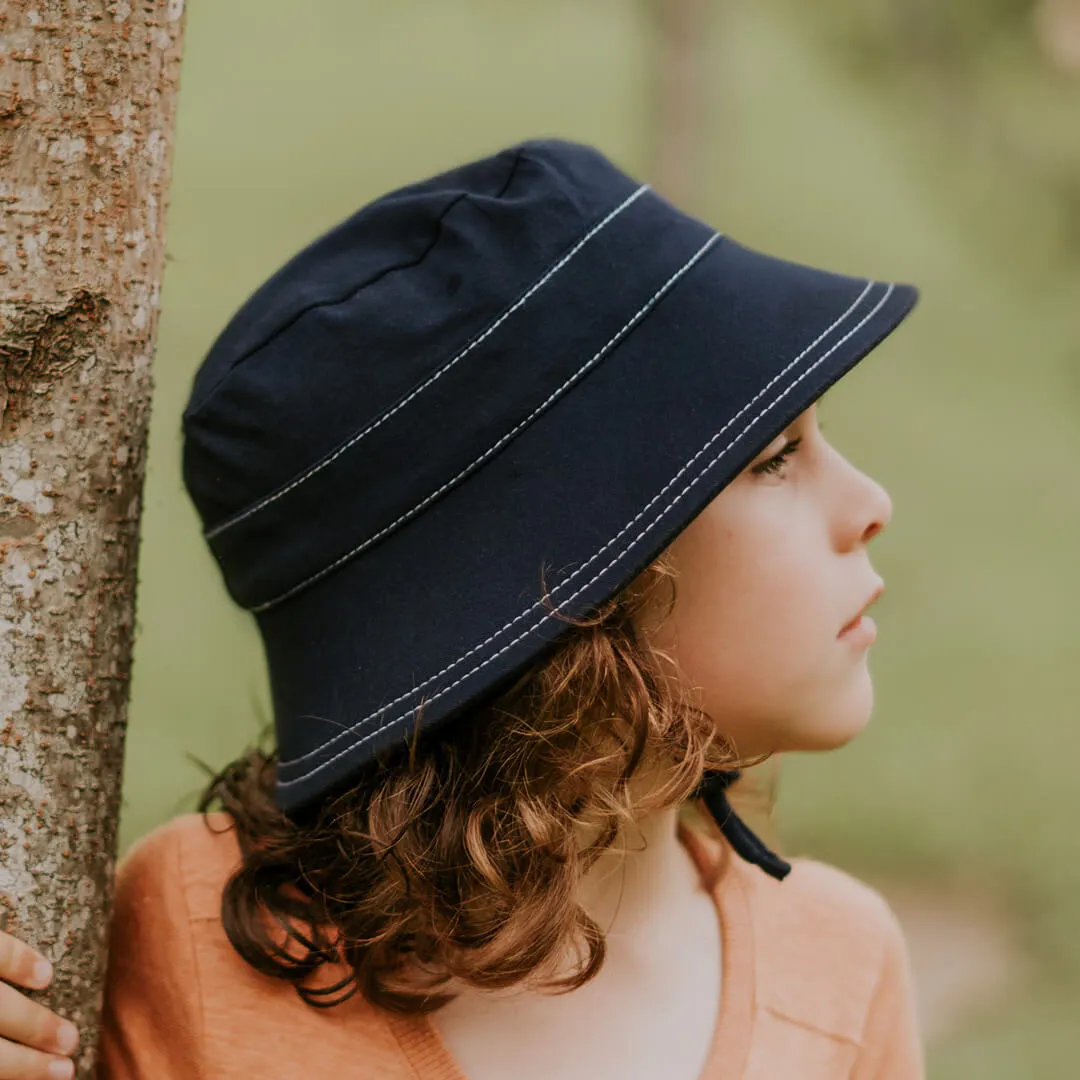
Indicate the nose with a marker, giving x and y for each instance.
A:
(866, 507)
(881, 509)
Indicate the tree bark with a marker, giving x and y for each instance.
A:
(87, 101)
(680, 33)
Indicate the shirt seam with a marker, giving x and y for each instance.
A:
(200, 1012)
(879, 982)
(809, 1025)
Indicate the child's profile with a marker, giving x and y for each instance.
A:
(521, 472)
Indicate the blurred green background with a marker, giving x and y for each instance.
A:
(938, 144)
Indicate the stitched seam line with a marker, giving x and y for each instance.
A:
(879, 982)
(378, 276)
(591, 363)
(360, 723)
(195, 409)
(200, 1009)
(274, 496)
(614, 539)
(512, 173)
(596, 555)
(808, 1025)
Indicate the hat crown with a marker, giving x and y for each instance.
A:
(354, 323)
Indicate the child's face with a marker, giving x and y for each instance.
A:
(768, 573)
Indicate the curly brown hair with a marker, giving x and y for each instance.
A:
(458, 856)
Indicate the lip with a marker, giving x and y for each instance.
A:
(862, 632)
(854, 620)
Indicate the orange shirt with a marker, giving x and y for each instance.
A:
(816, 982)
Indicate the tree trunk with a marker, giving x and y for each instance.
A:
(87, 99)
(680, 33)
(1057, 29)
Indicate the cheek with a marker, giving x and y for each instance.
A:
(752, 624)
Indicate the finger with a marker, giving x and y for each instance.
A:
(26, 1022)
(22, 1063)
(21, 964)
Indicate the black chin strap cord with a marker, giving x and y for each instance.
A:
(713, 792)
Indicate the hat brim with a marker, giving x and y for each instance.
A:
(449, 608)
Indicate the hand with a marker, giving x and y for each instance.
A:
(31, 1036)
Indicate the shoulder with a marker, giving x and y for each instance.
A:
(821, 897)
(212, 833)
(168, 932)
(189, 856)
(154, 1017)
(823, 942)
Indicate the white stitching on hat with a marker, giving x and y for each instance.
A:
(382, 727)
(274, 496)
(592, 362)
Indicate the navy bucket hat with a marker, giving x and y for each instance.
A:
(527, 371)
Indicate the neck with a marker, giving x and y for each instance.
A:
(641, 877)
(642, 892)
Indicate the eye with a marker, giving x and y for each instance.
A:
(775, 465)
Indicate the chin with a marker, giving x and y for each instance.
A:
(832, 739)
(835, 724)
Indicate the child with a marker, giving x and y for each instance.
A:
(520, 471)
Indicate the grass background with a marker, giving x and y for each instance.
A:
(291, 118)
